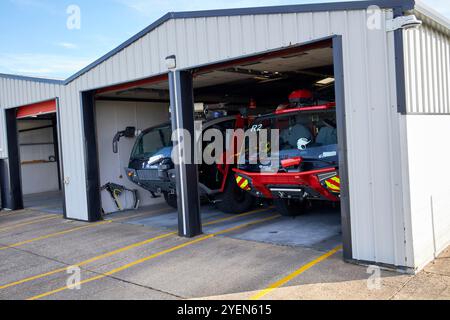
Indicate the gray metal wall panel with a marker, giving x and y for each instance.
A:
(427, 60)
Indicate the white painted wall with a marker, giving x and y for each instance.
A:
(39, 177)
(429, 154)
(111, 118)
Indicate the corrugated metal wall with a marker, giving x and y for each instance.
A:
(372, 120)
(427, 60)
(16, 92)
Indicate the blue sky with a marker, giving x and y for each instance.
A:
(36, 41)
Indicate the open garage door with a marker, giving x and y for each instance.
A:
(261, 85)
(34, 157)
(247, 87)
(114, 118)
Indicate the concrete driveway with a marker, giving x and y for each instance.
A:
(137, 255)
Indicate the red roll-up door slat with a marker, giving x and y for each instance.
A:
(36, 109)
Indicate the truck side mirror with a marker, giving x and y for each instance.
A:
(129, 132)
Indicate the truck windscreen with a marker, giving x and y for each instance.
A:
(151, 141)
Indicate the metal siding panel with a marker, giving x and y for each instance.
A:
(122, 66)
(290, 29)
(146, 56)
(7, 93)
(102, 72)
(308, 25)
(138, 60)
(360, 159)
(321, 24)
(113, 74)
(154, 52)
(381, 139)
(276, 31)
(235, 37)
(419, 71)
(427, 72)
(248, 34)
(130, 62)
(191, 40)
(447, 71)
(172, 44)
(77, 201)
(182, 44)
(262, 33)
(163, 47)
(201, 40)
(212, 32)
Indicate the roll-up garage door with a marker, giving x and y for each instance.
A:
(36, 109)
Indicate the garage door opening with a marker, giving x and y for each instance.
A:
(34, 151)
(250, 86)
(114, 120)
(261, 85)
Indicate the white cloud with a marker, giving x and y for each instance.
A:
(44, 65)
(67, 45)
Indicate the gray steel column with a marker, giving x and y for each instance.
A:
(182, 109)
(91, 157)
(11, 182)
(338, 63)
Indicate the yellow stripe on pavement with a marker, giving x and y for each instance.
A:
(22, 224)
(139, 215)
(295, 274)
(52, 235)
(153, 256)
(126, 248)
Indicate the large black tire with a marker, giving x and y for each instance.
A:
(171, 200)
(290, 207)
(234, 200)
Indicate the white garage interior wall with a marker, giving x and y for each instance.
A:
(37, 146)
(111, 117)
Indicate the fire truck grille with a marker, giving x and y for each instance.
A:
(148, 175)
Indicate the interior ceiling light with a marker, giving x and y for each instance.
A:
(325, 81)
